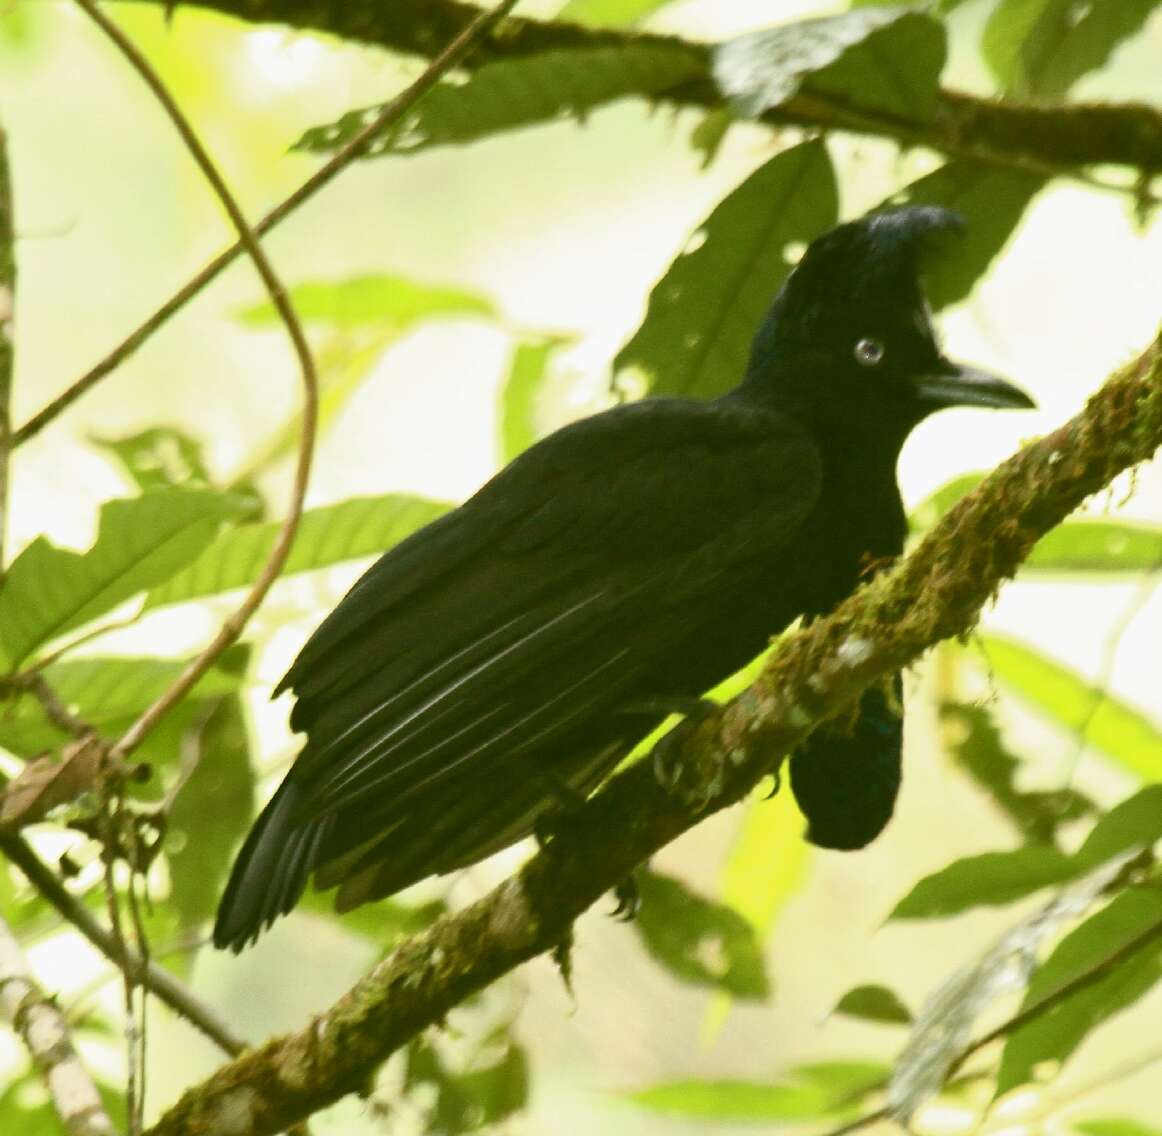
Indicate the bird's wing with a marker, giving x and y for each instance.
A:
(539, 602)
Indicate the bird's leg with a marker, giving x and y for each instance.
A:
(566, 799)
(694, 712)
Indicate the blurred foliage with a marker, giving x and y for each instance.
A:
(187, 537)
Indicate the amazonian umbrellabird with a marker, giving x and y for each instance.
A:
(519, 646)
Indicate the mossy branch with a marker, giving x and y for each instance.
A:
(936, 592)
(1055, 139)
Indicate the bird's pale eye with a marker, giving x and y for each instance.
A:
(869, 352)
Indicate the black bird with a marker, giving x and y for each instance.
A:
(508, 655)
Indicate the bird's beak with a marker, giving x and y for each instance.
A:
(953, 384)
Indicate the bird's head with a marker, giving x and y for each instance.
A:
(849, 337)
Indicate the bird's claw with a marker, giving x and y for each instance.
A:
(629, 900)
(776, 784)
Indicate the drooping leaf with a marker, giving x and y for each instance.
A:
(514, 93)
(141, 542)
(382, 302)
(103, 691)
(810, 1092)
(1114, 1126)
(361, 526)
(873, 1004)
(980, 751)
(526, 376)
(609, 13)
(988, 880)
(992, 199)
(1125, 734)
(1054, 1035)
(703, 313)
(1042, 47)
(210, 813)
(882, 59)
(698, 940)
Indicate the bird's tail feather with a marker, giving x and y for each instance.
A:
(270, 871)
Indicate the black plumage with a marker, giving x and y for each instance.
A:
(512, 652)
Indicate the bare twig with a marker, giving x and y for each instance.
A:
(233, 625)
(936, 592)
(154, 978)
(468, 37)
(45, 1033)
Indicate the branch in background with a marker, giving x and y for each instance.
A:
(936, 592)
(45, 1033)
(467, 39)
(964, 126)
(154, 978)
(7, 335)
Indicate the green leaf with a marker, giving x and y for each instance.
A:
(104, 691)
(1042, 47)
(385, 303)
(1125, 734)
(874, 1004)
(141, 543)
(522, 387)
(1098, 546)
(882, 60)
(1136, 820)
(472, 1100)
(698, 940)
(992, 199)
(1054, 1035)
(932, 508)
(1114, 1126)
(980, 751)
(695, 339)
(807, 1093)
(361, 526)
(518, 92)
(987, 880)
(159, 458)
(209, 814)
(609, 13)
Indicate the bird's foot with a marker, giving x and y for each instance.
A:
(776, 782)
(666, 766)
(629, 900)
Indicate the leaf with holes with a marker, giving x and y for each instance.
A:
(141, 542)
(992, 199)
(880, 60)
(515, 93)
(359, 527)
(702, 315)
(697, 940)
